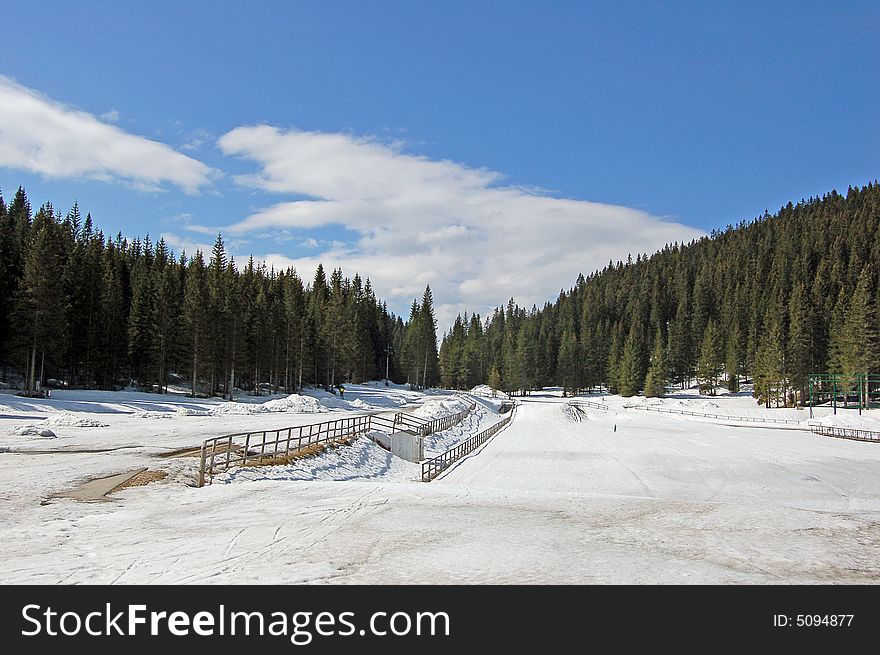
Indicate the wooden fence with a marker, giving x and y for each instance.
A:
(846, 433)
(723, 417)
(433, 467)
(590, 404)
(219, 454)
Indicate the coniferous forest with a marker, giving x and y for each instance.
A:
(771, 301)
(79, 309)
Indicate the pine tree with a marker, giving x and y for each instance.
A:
(732, 360)
(411, 350)
(568, 368)
(142, 347)
(630, 376)
(799, 345)
(681, 345)
(195, 312)
(855, 338)
(769, 386)
(218, 319)
(495, 380)
(428, 327)
(658, 369)
(39, 310)
(614, 363)
(711, 362)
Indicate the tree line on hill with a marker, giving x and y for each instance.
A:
(771, 300)
(97, 312)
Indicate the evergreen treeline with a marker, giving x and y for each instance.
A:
(773, 300)
(101, 313)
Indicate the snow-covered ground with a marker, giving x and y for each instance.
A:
(619, 496)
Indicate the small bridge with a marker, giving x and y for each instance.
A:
(269, 447)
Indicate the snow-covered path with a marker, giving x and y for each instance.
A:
(671, 458)
(548, 500)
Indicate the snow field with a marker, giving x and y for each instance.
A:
(663, 499)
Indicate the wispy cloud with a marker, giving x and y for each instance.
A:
(111, 116)
(195, 139)
(420, 220)
(46, 137)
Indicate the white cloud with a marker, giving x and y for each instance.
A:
(195, 139)
(420, 221)
(111, 116)
(45, 137)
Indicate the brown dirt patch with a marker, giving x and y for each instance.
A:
(141, 479)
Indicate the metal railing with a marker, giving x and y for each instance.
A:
(724, 417)
(260, 447)
(846, 433)
(433, 467)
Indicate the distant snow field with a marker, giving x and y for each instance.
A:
(608, 494)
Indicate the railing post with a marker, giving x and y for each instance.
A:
(202, 467)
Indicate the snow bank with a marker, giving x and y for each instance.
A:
(440, 407)
(487, 391)
(295, 403)
(360, 460)
(151, 414)
(189, 411)
(68, 419)
(292, 403)
(845, 419)
(31, 431)
(474, 423)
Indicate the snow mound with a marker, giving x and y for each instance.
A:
(189, 411)
(360, 404)
(150, 414)
(488, 392)
(68, 419)
(31, 431)
(293, 403)
(440, 407)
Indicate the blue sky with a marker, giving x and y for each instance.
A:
(490, 148)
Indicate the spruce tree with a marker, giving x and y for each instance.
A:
(630, 377)
(495, 380)
(711, 362)
(39, 311)
(428, 340)
(195, 314)
(568, 368)
(799, 345)
(732, 366)
(769, 379)
(658, 369)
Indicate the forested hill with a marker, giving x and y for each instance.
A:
(773, 299)
(95, 312)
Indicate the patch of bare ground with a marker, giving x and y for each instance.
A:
(140, 480)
